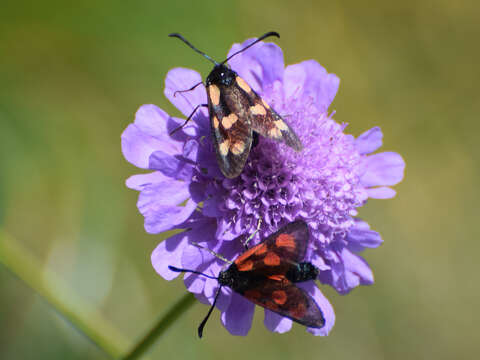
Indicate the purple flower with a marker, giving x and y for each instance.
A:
(323, 185)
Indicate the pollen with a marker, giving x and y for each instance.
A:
(272, 259)
(214, 94)
(229, 120)
(279, 296)
(223, 147)
(258, 110)
(285, 240)
(243, 85)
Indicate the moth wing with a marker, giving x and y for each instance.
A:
(265, 121)
(284, 298)
(278, 252)
(231, 130)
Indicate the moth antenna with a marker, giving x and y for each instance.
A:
(193, 47)
(202, 324)
(212, 252)
(271, 33)
(173, 268)
(253, 234)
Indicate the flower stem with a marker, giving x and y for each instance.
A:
(163, 323)
(60, 296)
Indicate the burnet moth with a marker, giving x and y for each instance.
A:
(236, 111)
(266, 275)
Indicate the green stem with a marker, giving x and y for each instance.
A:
(163, 323)
(60, 296)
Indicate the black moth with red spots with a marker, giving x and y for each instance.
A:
(266, 275)
(236, 111)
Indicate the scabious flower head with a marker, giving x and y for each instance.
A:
(324, 185)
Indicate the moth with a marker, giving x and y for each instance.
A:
(236, 111)
(266, 275)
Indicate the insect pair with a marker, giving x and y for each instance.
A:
(266, 275)
(237, 112)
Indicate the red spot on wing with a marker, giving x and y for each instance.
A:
(245, 255)
(261, 249)
(245, 266)
(272, 259)
(285, 240)
(278, 277)
(279, 296)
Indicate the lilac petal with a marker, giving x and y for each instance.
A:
(147, 135)
(168, 192)
(237, 319)
(381, 192)
(309, 78)
(170, 166)
(260, 66)
(360, 237)
(277, 323)
(169, 252)
(323, 304)
(357, 271)
(139, 182)
(183, 79)
(383, 169)
(159, 218)
(152, 120)
(369, 141)
(138, 146)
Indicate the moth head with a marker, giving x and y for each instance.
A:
(221, 75)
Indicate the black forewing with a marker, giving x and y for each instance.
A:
(278, 252)
(266, 121)
(284, 298)
(236, 138)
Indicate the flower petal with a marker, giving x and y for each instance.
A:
(171, 166)
(310, 79)
(138, 146)
(360, 237)
(168, 192)
(140, 181)
(381, 192)
(383, 169)
(369, 141)
(179, 79)
(238, 317)
(276, 323)
(323, 304)
(160, 218)
(357, 271)
(169, 252)
(259, 66)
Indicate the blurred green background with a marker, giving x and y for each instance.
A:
(72, 75)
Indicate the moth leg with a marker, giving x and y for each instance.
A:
(255, 139)
(182, 91)
(253, 234)
(188, 119)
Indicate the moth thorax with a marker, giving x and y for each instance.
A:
(227, 277)
(221, 75)
(302, 272)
